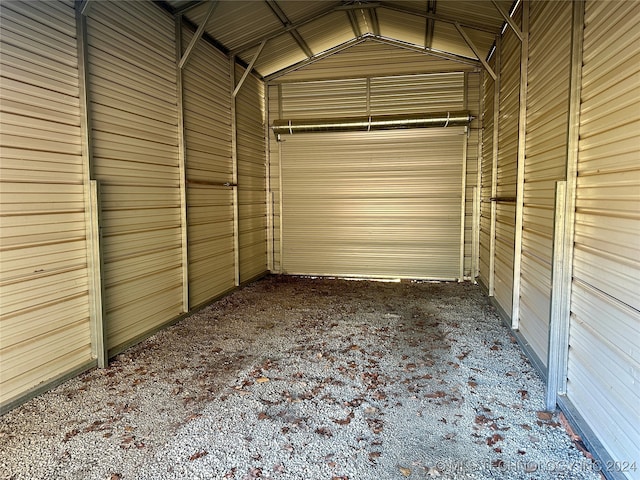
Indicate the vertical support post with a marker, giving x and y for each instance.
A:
(564, 292)
(368, 96)
(494, 167)
(183, 170)
(522, 129)
(463, 199)
(234, 181)
(282, 269)
(268, 195)
(475, 246)
(557, 277)
(477, 217)
(91, 203)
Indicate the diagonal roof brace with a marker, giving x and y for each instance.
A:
(355, 26)
(475, 50)
(196, 36)
(278, 12)
(508, 19)
(249, 68)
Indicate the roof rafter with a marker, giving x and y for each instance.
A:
(279, 13)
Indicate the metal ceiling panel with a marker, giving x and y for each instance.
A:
(297, 10)
(402, 26)
(237, 22)
(481, 12)
(327, 32)
(277, 54)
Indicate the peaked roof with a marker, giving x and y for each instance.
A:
(290, 34)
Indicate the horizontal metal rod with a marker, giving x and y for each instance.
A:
(504, 199)
(211, 184)
(380, 122)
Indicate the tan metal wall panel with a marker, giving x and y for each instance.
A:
(207, 122)
(133, 100)
(324, 99)
(252, 174)
(45, 326)
(604, 360)
(488, 89)
(507, 167)
(546, 157)
(371, 58)
(417, 93)
(375, 204)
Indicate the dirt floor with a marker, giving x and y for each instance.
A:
(315, 379)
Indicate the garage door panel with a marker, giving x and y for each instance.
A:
(377, 204)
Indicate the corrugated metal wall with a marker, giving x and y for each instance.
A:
(207, 122)
(546, 157)
(371, 58)
(604, 355)
(507, 168)
(252, 175)
(134, 117)
(45, 326)
(375, 204)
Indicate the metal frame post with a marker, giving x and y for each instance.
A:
(91, 197)
(182, 166)
(522, 127)
(234, 181)
(494, 168)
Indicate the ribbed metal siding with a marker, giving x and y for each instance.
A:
(604, 355)
(488, 88)
(377, 204)
(207, 120)
(44, 303)
(252, 174)
(546, 150)
(507, 168)
(133, 103)
(324, 99)
(372, 58)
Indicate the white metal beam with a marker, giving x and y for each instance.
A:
(475, 50)
(509, 20)
(249, 68)
(201, 28)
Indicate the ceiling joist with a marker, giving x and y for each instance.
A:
(508, 19)
(196, 36)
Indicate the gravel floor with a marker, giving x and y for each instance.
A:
(314, 379)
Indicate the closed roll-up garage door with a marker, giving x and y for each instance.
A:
(135, 139)
(207, 122)
(546, 149)
(507, 169)
(374, 204)
(604, 354)
(45, 326)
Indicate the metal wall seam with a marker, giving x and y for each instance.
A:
(45, 235)
(546, 156)
(134, 102)
(604, 360)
